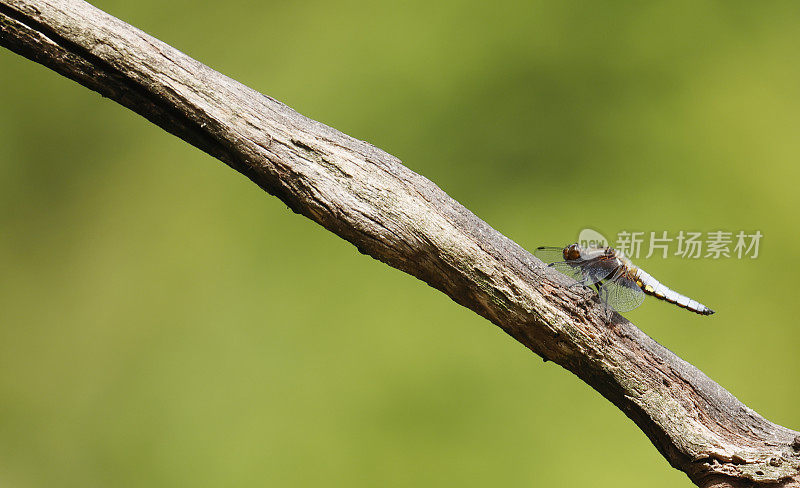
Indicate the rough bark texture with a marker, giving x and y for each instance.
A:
(387, 211)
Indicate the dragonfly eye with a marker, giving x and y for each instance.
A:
(572, 252)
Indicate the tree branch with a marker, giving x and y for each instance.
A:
(369, 198)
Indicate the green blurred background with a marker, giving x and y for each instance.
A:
(163, 322)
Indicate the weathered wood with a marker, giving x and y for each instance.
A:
(389, 212)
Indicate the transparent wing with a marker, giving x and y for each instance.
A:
(621, 294)
(587, 272)
(594, 271)
(573, 271)
(554, 256)
(550, 254)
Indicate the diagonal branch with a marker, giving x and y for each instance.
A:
(369, 198)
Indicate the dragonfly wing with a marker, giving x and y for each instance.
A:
(621, 294)
(554, 256)
(550, 254)
(586, 272)
(574, 271)
(595, 270)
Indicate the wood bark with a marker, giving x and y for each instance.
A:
(387, 211)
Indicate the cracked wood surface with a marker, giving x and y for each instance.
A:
(387, 211)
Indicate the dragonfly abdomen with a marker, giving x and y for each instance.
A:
(653, 287)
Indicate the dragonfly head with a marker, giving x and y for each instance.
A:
(572, 252)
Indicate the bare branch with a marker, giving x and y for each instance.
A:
(369, 198)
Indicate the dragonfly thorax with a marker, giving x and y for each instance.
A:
(604, 258)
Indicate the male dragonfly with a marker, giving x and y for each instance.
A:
(620, 283)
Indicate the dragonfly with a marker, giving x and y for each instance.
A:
(621, 284)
